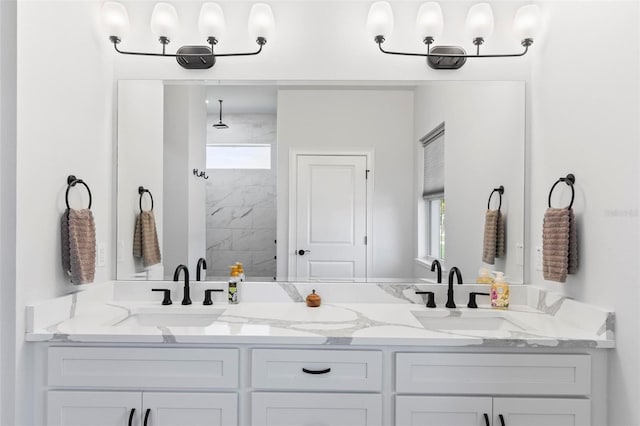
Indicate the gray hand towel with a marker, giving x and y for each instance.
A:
(145, 239)
(493, 245)
(79, 245)
(559, 244)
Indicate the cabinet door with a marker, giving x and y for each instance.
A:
(541, 412)
(318, 409)
(190, 409)
(443, 411)
(66, 408)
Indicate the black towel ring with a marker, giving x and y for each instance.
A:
(141, 191)
(500, 191)
(570, 179)
(72, 181)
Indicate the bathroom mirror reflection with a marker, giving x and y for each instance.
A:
(319, 180)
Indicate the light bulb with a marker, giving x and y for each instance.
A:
(114, 19)
(211, 22)
(527, 22)
(261, 22)
(380, 19)
(429, 22)
(164, 20)
(480, 21)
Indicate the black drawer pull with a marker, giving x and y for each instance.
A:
(486, 419)
(146, 416)
(133, 410)
(501, 420)
(304, 370)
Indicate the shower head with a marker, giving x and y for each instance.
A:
(220, 125)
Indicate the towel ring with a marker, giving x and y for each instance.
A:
(500, 191)
(72, 181)
(141, 191)
(570, 179)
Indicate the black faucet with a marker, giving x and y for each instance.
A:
(453, 271)
(186, 300)
(202, 264)
(435, 264)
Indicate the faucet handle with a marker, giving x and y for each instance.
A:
(167, 295)
(472, 298)
(431, 303)
(207, 295)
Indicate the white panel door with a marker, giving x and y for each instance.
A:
(541, 412)
(443, 411)
(331, 216)
(190, 409)
(67, 408)
(318, 409)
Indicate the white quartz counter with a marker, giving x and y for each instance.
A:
(395, 317)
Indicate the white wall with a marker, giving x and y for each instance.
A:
(65, 111)
(140, 163)
(484, 148)
(343, 120)
(185, 123)
(585, 121)
(8, 308)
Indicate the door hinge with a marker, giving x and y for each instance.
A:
(366, 176)
(365, 240)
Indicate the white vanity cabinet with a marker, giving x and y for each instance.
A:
(350, 372)
(84, 408)
(488, 377)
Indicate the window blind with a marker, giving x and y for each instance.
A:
(433, 147)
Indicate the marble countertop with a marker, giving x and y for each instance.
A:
(292, 322)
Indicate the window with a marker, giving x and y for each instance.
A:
(249, 156)
(433, 193)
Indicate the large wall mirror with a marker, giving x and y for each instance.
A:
(358, 181)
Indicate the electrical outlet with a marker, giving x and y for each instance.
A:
(519, 254)
(101, 255)
(539, 258)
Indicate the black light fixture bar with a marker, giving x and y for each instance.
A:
(526, 43)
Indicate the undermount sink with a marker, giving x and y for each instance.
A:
(468, 321)
(182, 318)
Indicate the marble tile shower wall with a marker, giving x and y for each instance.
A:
(241, 204)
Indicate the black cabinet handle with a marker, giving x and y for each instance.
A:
(133, 410)
(501, 420)
(146, 416)
(304, 370)
(486, 419)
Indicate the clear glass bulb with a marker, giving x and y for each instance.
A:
(114, 19)
(380, 19)
(164, 20)
(261, 21)
(429, 22)
(527, 21)
(480, 20)
(211, 22)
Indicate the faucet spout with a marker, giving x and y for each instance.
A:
(186, 299)
(435, 265)
(453, 271)
(202, 264)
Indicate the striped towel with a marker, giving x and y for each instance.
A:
(79, 245)
(493, 245)
(145, 239)
(559, 244)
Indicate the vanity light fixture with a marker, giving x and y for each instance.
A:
(211, 24)
(430, 23)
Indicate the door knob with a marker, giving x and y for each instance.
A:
(302, 252)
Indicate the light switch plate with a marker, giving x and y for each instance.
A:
(539, 258)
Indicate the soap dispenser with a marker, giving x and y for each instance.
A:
(484, 276)
(499, 292)
(233, 286)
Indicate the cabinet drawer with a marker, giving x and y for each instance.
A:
(144, 368)
(316, 370)
(321, 409)
(495, 374)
